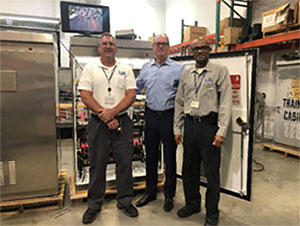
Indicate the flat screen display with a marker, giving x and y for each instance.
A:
(84, 18)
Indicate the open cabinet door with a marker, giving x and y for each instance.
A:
(236, 157)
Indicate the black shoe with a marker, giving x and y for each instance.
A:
(145, 200)
(89, 216)
(211, 221)
(187, 211)
(169, 205)
(129, 210)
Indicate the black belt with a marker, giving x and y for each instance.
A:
(117, 116)
(159, 112)
(211, 117)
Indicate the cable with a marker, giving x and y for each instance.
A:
(259, 164)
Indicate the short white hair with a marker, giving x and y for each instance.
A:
(163, 35)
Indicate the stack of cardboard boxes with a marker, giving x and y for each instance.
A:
(194, 32)
(272, 21)
(277, 19)
(231, 34)
(191, 33)
(297, 13)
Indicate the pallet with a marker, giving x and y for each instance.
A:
(79, 195)
(285, 29)
(12, 207)
(286, 150)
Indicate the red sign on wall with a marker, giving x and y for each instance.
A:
(236, 86)
(235, 81)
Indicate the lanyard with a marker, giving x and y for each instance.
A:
(111, 75)
(200, 83)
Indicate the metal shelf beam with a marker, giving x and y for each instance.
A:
(295, 35)
(178, 47)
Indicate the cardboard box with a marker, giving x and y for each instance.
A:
(225, 23)
(221, 40)
(223, 49)
(297, 13)
(276, 19)
(194, 32)
(188, 50)
(231, 35)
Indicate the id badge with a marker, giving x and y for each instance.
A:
(195, 104)
(109, 100)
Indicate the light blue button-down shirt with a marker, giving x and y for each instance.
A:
(160, 83)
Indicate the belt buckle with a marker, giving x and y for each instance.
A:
(197, 119)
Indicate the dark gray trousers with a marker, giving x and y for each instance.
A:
(101, 139)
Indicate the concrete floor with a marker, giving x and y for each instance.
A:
(275, 200)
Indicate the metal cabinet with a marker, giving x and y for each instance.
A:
(287, 112)
(28, 165)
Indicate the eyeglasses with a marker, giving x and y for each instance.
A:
(197, 48)
(161, 43)
(107, 43)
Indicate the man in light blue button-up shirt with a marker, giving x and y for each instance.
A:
(160, 78)
(160, 83)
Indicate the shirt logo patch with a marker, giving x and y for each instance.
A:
(208, 82)
(122, 73)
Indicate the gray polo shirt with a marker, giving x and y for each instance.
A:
(213, 95)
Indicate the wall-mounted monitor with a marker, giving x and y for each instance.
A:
(84, 18)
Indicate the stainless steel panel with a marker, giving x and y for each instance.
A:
(135, 53)
(28, 126)
(12, 172)
(28, 22)
(84, 51)
(16, 36)
(2, 183)
(121, 43)
(8, 80)
(87, 46)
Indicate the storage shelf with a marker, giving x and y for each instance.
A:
(70, 105)
(293, 36)
(275, 39)
(177, 48)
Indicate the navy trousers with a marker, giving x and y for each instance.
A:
(159, 128)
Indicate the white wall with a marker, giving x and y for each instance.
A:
(203, 11)
(44, 8)
(144, 16)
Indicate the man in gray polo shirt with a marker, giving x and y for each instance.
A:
(203, 108)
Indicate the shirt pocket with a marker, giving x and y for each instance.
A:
(121, 82)
(209, 90)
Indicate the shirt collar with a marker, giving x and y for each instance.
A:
(103, 66)
(167, 62)
(208, 67)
